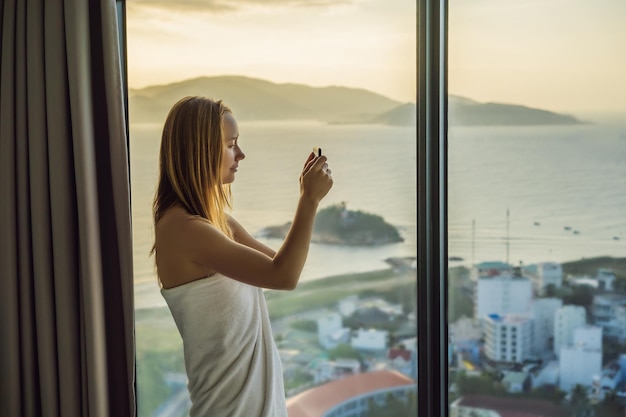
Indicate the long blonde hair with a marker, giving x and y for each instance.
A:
(190, 162)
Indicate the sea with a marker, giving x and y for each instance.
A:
(522, 195)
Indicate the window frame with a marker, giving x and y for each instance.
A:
(432, 270)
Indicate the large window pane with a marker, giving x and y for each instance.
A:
(537, 207)
(336, 75)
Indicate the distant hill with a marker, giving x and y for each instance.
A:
(256, 99)
(465, 112)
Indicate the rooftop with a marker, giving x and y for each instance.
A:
(317, 401)
(513, 407)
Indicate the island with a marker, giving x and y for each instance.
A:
(339, 226)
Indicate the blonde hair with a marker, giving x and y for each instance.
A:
(190, 162)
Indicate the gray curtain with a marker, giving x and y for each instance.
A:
(66, 308)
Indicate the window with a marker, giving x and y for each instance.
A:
(535, 145)
(356, 63)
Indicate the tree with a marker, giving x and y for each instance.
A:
(344, 351)
(611, 406)
(582, 295)
(579, 402)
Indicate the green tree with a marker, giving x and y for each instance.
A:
(305, 325)
(582, 295)
(610, 406)
(579, 402)
(611, 349)
(550, 291)
(483, 384)
(344, 351)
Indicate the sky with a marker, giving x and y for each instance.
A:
(560, 55)
(355, 43)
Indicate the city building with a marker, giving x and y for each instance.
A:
(567, 319)
(605, 279)
(348, 305)
(581, 362)
(325, 370)
(370, 340)
(508, 338)
(609, 311)
(546, 273)
(491, 406)
(330, 330)
(489, 269)
(516, 382)
(543, 313)
(349, 396)
(503, 294)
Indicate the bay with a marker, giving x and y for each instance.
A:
(374, 170)
(562, 186)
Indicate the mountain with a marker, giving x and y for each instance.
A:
(256, 99)
(465, 112)
(403, 115)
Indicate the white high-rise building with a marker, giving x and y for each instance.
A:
(503, 294)
(544, 311)
(581, 362)
(605, 278)
(567, 319)
(588, 336)
(608, 311)
(548, 273)
(508, 338)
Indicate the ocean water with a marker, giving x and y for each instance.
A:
(564, 188)
(547, 178)
(374, 170)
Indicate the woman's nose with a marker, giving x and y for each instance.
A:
(240, 155)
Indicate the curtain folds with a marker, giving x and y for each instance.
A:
(66, 305)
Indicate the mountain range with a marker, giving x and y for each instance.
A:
(256, 99)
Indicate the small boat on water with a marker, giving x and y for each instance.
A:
(567, 228)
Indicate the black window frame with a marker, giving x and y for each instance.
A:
(432, 249)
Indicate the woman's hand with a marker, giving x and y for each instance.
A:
(315, 180)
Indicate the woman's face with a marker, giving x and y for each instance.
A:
(232, 152)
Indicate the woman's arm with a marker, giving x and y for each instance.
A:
(242, 236)
(210, 248)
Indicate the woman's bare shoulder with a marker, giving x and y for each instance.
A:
(176, 217)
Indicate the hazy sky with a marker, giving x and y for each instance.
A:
(356, 43)
(561, 55)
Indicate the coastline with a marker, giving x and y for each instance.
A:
(325, 291)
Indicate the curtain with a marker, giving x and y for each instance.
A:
(66, 302)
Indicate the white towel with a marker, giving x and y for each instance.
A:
(231, 359)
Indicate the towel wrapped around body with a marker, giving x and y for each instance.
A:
(232, 363)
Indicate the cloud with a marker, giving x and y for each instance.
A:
(218, 6)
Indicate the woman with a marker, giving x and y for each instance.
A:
(212, 271)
